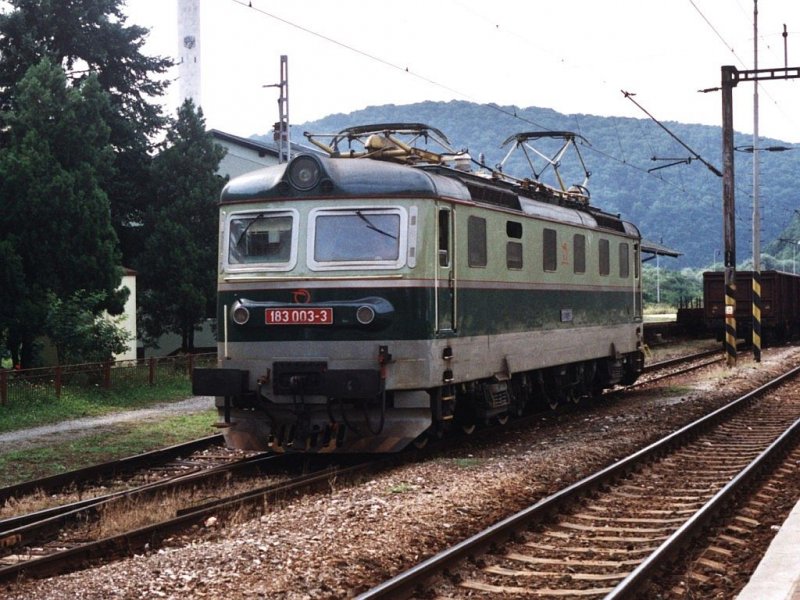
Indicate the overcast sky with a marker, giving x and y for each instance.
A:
(573, 56)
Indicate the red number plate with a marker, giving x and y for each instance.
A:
(298, 316)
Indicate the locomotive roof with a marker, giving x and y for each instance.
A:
(352, 178)
(346, 177)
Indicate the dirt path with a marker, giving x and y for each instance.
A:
(66, 430)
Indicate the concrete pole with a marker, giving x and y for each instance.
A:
(729, 80)
(189, 51)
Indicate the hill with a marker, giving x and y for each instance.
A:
(680, 205)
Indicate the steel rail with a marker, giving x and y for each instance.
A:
(125, 544)
(30, 524)
(699, 520)
(663, 364)
(404, 584)
(108, 469)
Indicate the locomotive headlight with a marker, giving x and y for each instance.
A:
(304, 173)
(240, 314)
(365, 315)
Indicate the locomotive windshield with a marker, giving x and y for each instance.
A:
(260, 238)
(341, 237)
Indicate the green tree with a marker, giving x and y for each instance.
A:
(79, 334)
(55, 222)
(672, 287)
(177, 269)
(91, 38)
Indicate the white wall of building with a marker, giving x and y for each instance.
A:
(128, 321)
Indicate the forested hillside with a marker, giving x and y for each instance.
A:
(679, 205)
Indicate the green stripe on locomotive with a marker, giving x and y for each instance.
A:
(483, 312)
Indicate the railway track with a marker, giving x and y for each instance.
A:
(680, 365)
(611, 533)
(70, 536)
(119, 469)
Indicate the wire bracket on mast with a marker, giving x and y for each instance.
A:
(694, 154)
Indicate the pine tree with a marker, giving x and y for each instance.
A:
(90, 38)
(177, 269)
(55, 220)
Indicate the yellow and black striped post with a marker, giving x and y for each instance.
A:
(730, 322)
(757, 316)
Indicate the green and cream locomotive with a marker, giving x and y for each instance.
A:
(369, 299)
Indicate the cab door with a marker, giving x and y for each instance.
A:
(445, 279)
(637, 282)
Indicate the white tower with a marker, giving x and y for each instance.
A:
(189, 50)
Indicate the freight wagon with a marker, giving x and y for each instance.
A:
(780, 305)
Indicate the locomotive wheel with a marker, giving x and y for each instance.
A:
(468, 428)
(502, 419)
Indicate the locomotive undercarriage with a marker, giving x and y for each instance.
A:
(483, 402)
(375, 420)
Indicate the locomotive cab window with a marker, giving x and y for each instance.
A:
(372, 238)
(266, 239)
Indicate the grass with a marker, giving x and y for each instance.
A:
(31, 406)
(652, 308)
(114, 442)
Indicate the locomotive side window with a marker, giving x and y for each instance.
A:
(476, 241)
(514, 249)
(513, 255)
(624, 261)
(444, 238)
(579, 252)
(549, 250)
(605, 258)
(264, 238)
(347, 238)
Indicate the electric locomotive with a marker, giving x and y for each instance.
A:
(381, 293)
